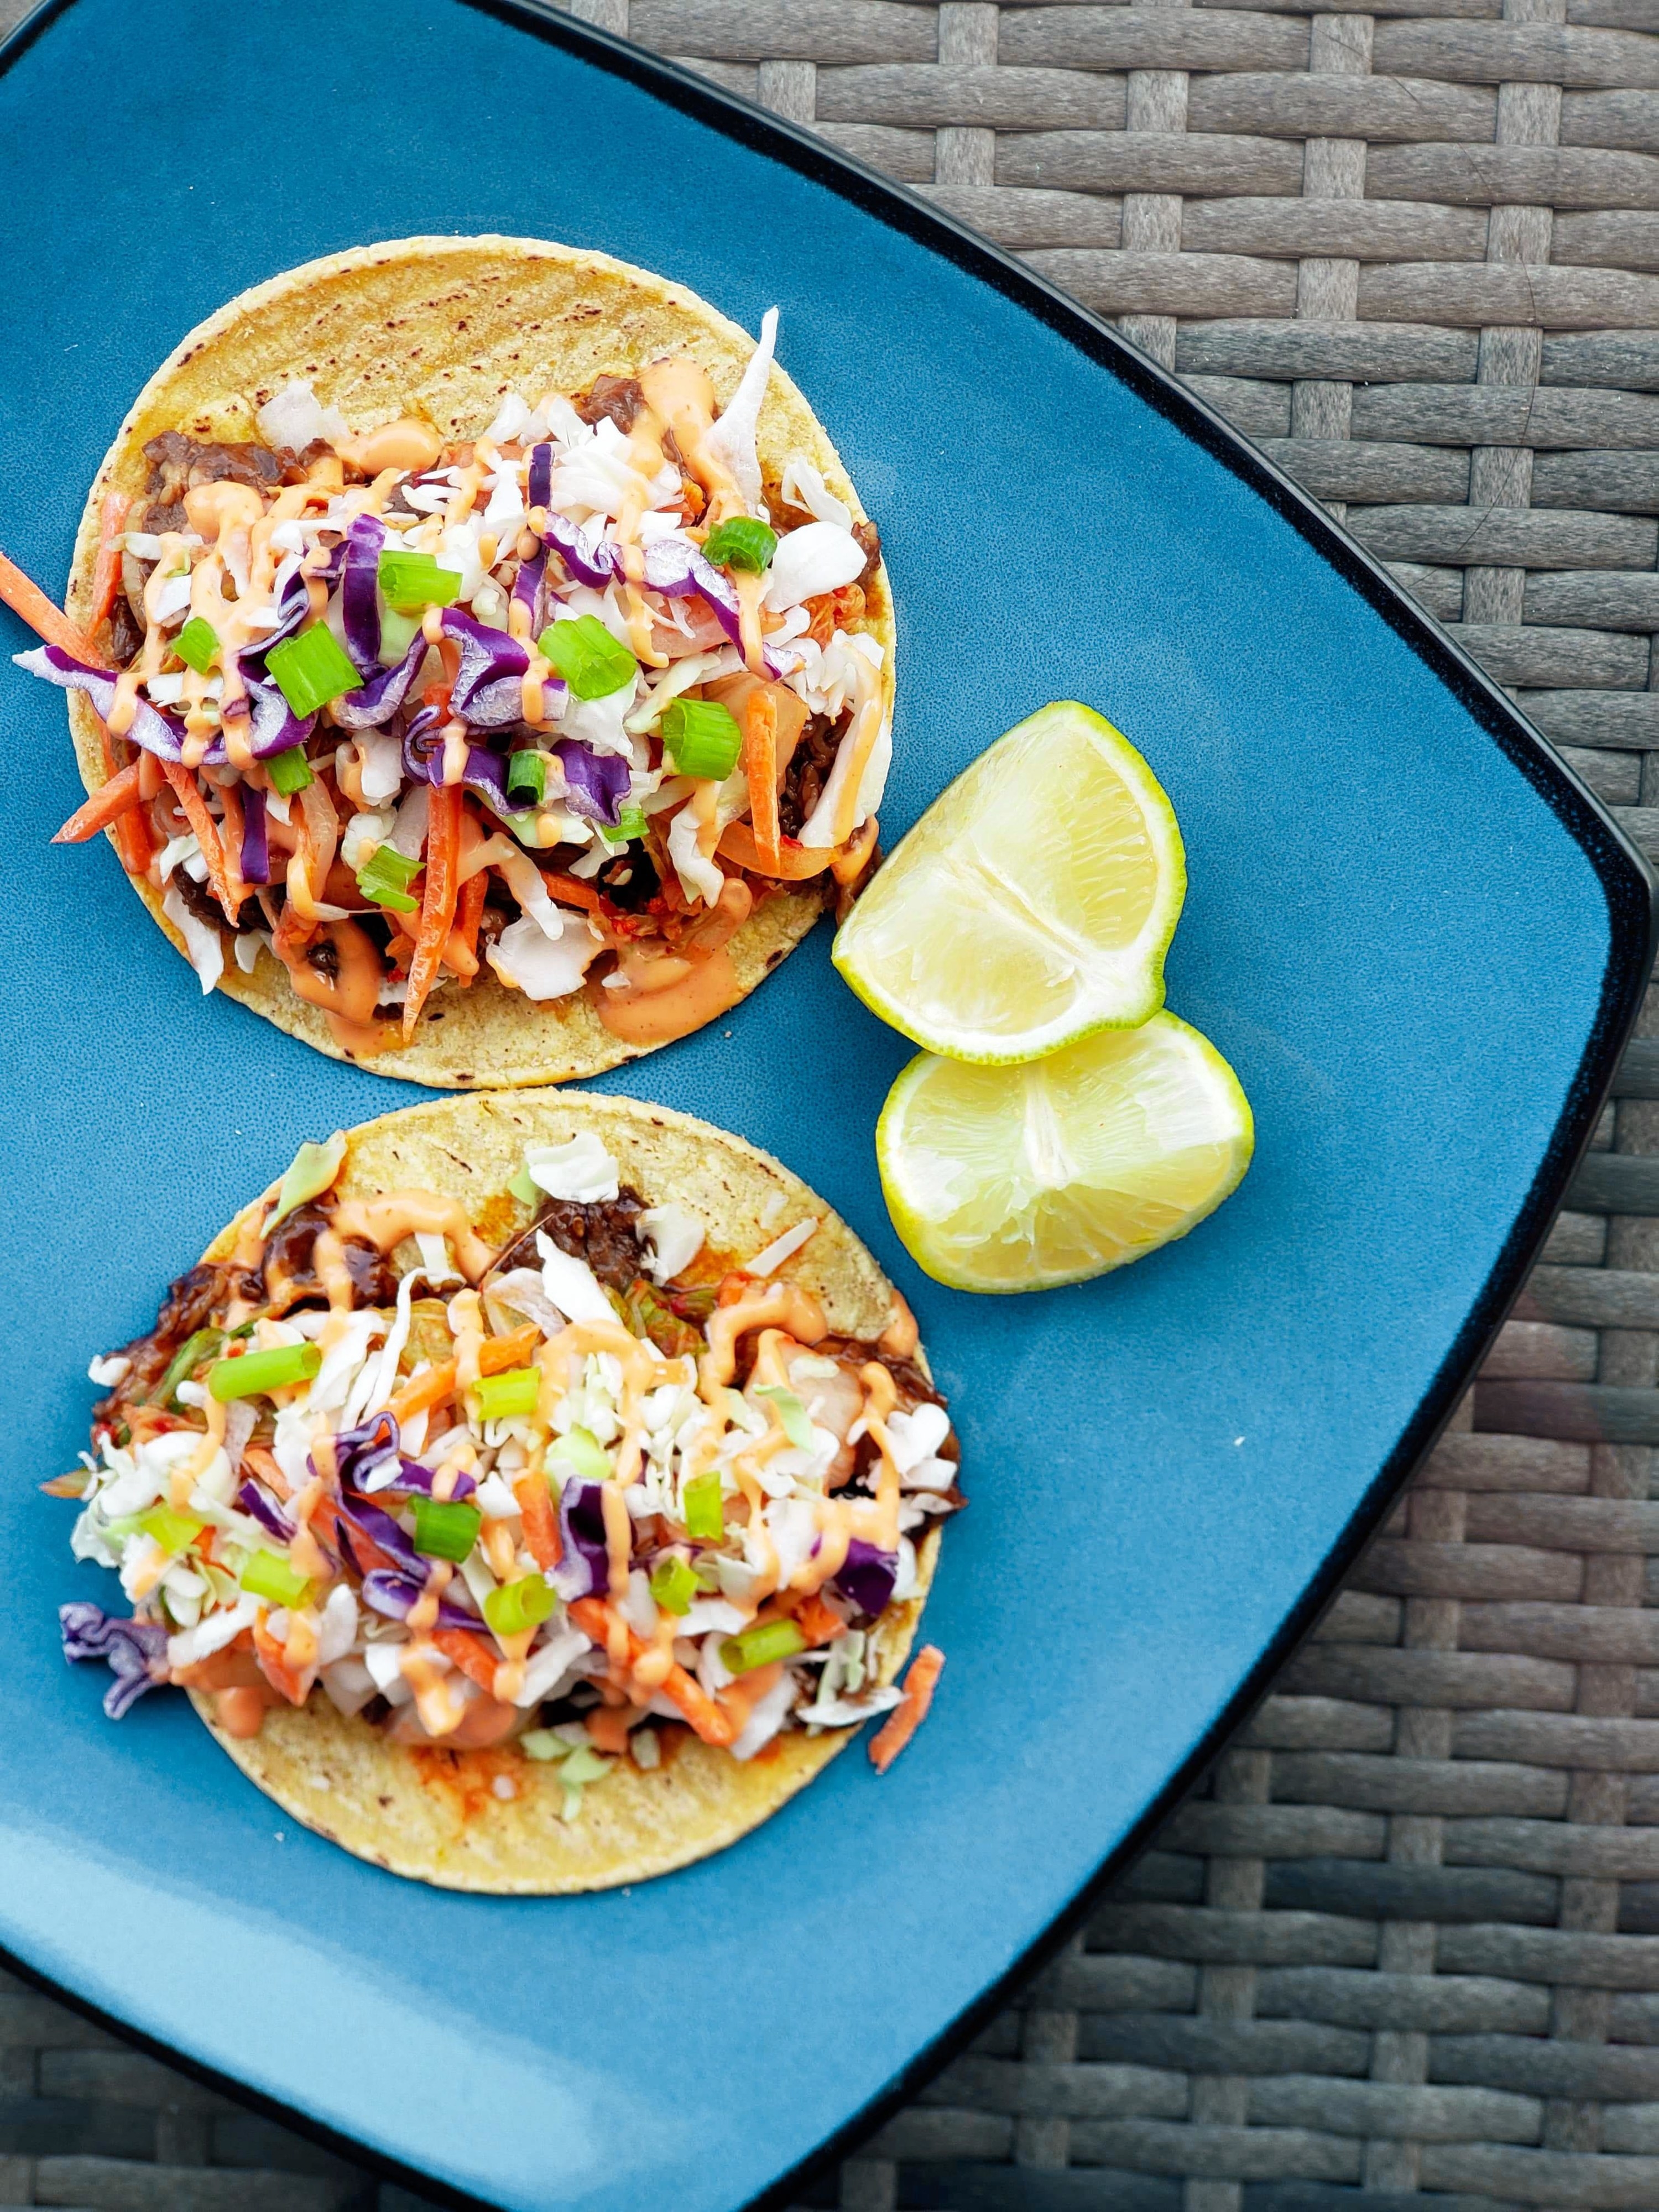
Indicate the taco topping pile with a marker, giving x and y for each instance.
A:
(600, 1486)
(560, 703)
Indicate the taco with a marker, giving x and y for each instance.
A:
(479, 658)
(533, 1492)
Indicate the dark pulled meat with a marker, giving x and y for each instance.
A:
(619, 397)
(178, 463)
(869, 540)
(287, 1275)
(603, 1232)
(630, 882)
(809, 771)
(205, 907)
(914, 1387)
(126, 632)
(191, 1304)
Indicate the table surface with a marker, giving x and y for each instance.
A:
(1403, 1941)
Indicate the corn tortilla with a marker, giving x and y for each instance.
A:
(443, 328)
(434, 1815)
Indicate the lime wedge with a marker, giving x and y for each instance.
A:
(1032, 903)
(1023, 1178)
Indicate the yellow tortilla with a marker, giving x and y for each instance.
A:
(435, 1816)
(442, 328)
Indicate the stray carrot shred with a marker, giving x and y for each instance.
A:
(819, 1623)
(908, 1715)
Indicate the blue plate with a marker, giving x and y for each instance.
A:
(1412, 934)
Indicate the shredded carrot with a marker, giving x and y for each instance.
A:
(597, 1619)
(468, 913)
(760, 766)
(819, 1623)
(443, 842)
(135, 841)
(608, 1726)
(911, 1711)
(457, 955)
(230, 798)
(495, 1355)
(66, 1485)
(425, 1392)
(106, 574)
(264, 1466)
(570, 890)
(27, 601)
(273, 1665)
(794, 865)
(541, 1522)
(470, 1653)
(188, 794)
(107, 804)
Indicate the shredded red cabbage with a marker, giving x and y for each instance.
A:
(394, 1595)
(585, 1568)
(596, 783)
(260, 1506)
(156, 733)
(424, 761)
(488, 693)
(379, 1527)
(360, 592)
(379, 700)
(867, 1576)
(256, 841)
(595, 564)
(137, 1650)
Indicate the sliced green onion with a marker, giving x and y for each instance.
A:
(515, 1606)
(399, 631)
(184, 1364)
(705, 1512)
(674, 1584)
(704, 737)
(526, 776)
(289, 772)
(526, 1193)
(258, 1372)
(629, 823)
(409, 580)
(584, 1765)
(741, 543)
(270, 1575)
(760, 1645)
(541, 1745)
(588, 658)
(312, 1171)
(581, 1449)
(501, 1396)
(385, 877)
(197, 645)
(445, 1528)
(312, 669)
(174, 1532)
(792, 1414)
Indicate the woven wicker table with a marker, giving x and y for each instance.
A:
(1402, 1946)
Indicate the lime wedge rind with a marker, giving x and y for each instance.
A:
(1061, 1171)
(995, 932)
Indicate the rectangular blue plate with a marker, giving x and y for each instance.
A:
(1416, 938)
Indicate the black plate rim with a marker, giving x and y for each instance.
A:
(1628, 884)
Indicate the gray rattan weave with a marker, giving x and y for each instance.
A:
(1403, 1945)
